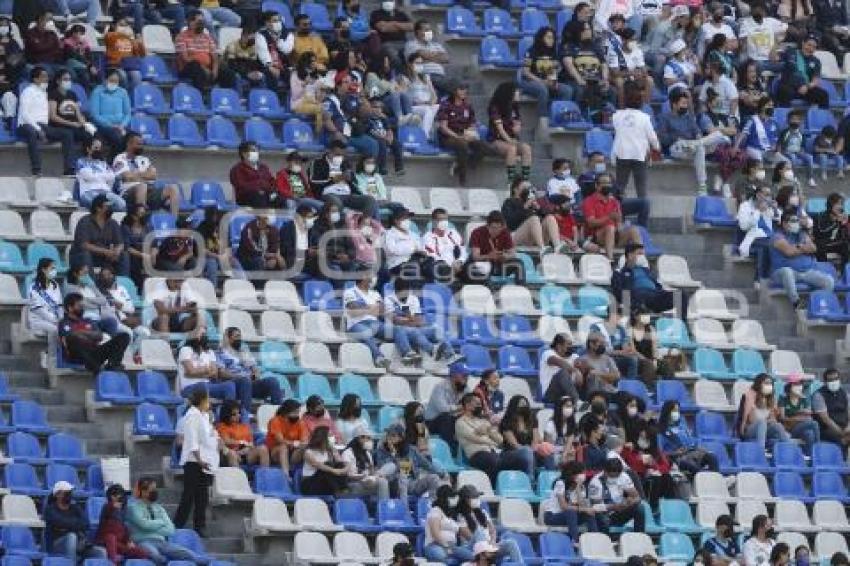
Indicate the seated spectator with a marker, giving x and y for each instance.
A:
(197, 368)
(441, 530)
(381, 129)
(755, 223)
(95, 177)
(253, 182)
(795, 413)
(634, 138)
(324, 473)
(598, 368)
(492, 250)
(458, 130)
(433, 56)
(562, 430)
(197, 55)
(304, 89)
(562, 183)
(780, 554)
(274, 45)
(585, 71)
(64, 109)
(417, 90)
(138, 178)
(830, 405)
(44, 300)
(792, 259)
(112, 532)
(358, 22)
(760, 134)
(176, 309)
(380, 85)
(615, 498)
(119, 304)
(539, 75)
(644, 457)
(801, 555)
(751, 90)
(334, 159)
(331, 177)
(34, 126)
(720, 50)
(66, 524)
(307, 41)
(522, 436)
(338, 252)
(109, 108)
(146, 13)
(444, 405)
(177, 250)
(411, 332)
(558, 376)
(350, 417)
(286, 436)
(761, 36)
(341, 50)
(715, 119)
(593, 431)
(801, 75)
(758, 414)
(830, 231)
(151, 527)
(530, 226)
(98, 240)
(618, 344)
(625, 61)
(214, 12)
(643, 287)
(316, 415)
(402, 246)
(596, 165)
(216, 256)
(415, 430)
(681, 67)
(392, 26)
(345, 116)
(643, 343)
(238, 364)
(297, 246)
(568, 504)
(96, 307)
(78, 55)
(680, 135)
(826, 149)
(364, 311)
(259, 246)
(477, 528)
(723, 546)
(42, 45)
(293, 186)
(482, 443)
(370, 182)
(364, 477)
(237, 439)
(123, 49)
(504, 132)
(791, 144)
(444, 245)
(788, 194)
(759, 547)
(603, 216)
(408, 471)
(240, 59)
(492, 398)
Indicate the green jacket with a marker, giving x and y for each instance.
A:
(148, 521)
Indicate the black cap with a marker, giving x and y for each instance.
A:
(401, 212)
(632, 246)
(469, 492)
(98, 201)
(402, 550)
(725, 520)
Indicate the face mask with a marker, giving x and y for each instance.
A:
(768, 111)
(125, 30)
(405, 224)
(567, 412)
(308, 222)
(276, 27)
(767, 389)
(318, 413)
(369, 168)
(296, 168)
(794, 200)
(97, 154)
(336, 161)
(442, 225)
(643, 443)
(632, 411)
(368, 445)
(254, 156)
(51, 25)
(65, 85)
(605, 190)
(366, 231)
(794, 125)
(770, 533)
(418, 68)
(453, 501)
(682, 111)
(797, 390)
(794, 227)
(51, 273)
(598, 407)
(760, 175)
(599, 350)
(788, 174)
(419, 418)
(357, 412)
(478, 412)
(293, 418)
(237, 345)
(644, 319)
(42, 86)
(372, 282)
(428, 35)
(833, 385)
(388, 6)
(674, 417)
(599, 167)
(460, 386)
(153, 496)
(111, 87)
(4, 30)
(303, 32)
(335, 216)
(344, 33)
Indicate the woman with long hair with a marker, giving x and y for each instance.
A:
(441, 530)
(751, 89)
(286, 435)
(568, 504)
(238, 439)
(324, 472)
(795, 414)
(650, 464)
(520, 434)
(678, 442)
(529, 225)
(364, 478)
(304, 89)
(409, 472)
(134, 230)
(350, 417)
(415, 430)
(539, 74)
(476, 526)
(112, 532)
(416, 88)
(505, 131)
(44, 300)
(562, 429)
(758, 414)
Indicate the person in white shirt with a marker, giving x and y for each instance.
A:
(624, 58)
(444, 245)
(44, 299)
(441, 530)
(404, 313)
(614, 497)
(716, 24)
(726, 101)
(755, 219)
(199, 457)
(273, 44)
(197, 369)
(363, 477)
(363, 306)
(680, 68)
(568, 504)
(138, 176)
(95, 177)
(176, 308)
(558, 377)
(758, 547)
(562, 183)
(400, 243)
(34, 126)
(762, 36)
(634, 137)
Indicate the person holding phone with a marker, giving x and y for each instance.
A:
(238, 439)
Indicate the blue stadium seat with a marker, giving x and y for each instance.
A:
(567, 114)
(63, 472)
(207, 193)
(557, 548)
(6, 135)
(148, 127)
(563, 16)
(186, 99)
(152, 420)
(719, 450)
(298, 134)
(441, 455)
(319, 16)
(393, 515)
(19, 541)
(815, 205)
(516, 485)
(114, 387)
(154, 68)
(477, 358)
(314, 384)
(676, 547)
(524, 45)
(162, 222)
(829, 485)
(671, 389)
(222, 132)
(593, 300)
(237, 224)
(836, 99)
(824, 305)
(713, 211)
(148, 98)
(389, 415)
(498, 22)
(262, 133)
(271, 482)
(532, 275)
(319, 295)
(94, 480)
(639, 390)
(358, 385)
(516, 330)
(475, 329)
(532, 20)
(557, 301)
(354, 516)
(24, 447)
(94, 508)
(461, 21)
(649, 248)
(190, 540)
(277, 357)
(496, 51)
(787, 456)
(28, 416)
(526, 546)
(184, 131)
(751, 457)
(21, 479)
(709, 363)
(38, 249)
(597, 139)
(789, 485)
(827, 456)
(414, 140)
(6, 396)
(265, 103)
(712, 427)
(64, 448)
(545, 482)
(282, 8)
(675, 515)
(437, 297)
(747, 363)
(818, 118)
(227, 102)
(57, 561)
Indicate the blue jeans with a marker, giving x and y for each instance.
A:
(117, 202)
(423, 338)
(142, 15)
(571, 519)
(807, 159)
(225, 390)
(540, 91)
(367, 332)
(370, 147)
(766, 433)
(263, 388)
(436, 553)
(760, 250)
(807, 431)
(789, 279)
(823, 160)
(65, 546)
(163, 552)
(73, 7)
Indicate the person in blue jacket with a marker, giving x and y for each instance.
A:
(678, 442)
(109, 106)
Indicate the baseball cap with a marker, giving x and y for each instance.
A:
(61, 486)
(725, 520)
(458, 368)
(677, 45)
(680, 10)
(482, 547)
(401, 212)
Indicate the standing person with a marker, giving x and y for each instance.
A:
(568, 504)
(792, 259)
(199, 459)
(287, 435)
(65, 524)
(758, 548)
(458, 130)
(795, 413)
(34, 127)
(758, 413)
(150, 526)
(634, 137)
(112, 532)
(831, 405)
(324, 472)
(392, 26)
(505, 129)
(44, 299)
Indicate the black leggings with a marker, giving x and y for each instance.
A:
(195, 495)
(322, 483)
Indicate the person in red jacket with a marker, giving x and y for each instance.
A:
(647, 461)
(294, 187)
(112, 533)
(42, 45)
(253, 182)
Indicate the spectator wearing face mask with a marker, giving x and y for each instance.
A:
(568, 504)
(293, 185)
(401, 243)
(444, 245)
(66, 523)
(831, 406)
(197, 54)
(123, 48)
(760, 134)
(795, 413)
(34, 123)
(252, 180)
(792, 258)
(529, 224)
(477, 529)
(287, 436)
(830, 231)
(364, 313)
(42, 45)
(109, 107)
(791, 144)
(679, 443)
(444, 405)
(558, 376)
(723, 547)
(759, 547)
(615, 498)
(758, 414)
(297, 246)
(755, 223)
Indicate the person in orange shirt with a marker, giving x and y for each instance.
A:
(122, 46)
(238, 439)
(287, 435)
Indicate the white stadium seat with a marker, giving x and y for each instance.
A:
(548, 326)
(595, 269)
(203, 292)
(319, 326)
(483, 201)
(477, 299)
(785, 362)
(710, 332)
(514, 299)
(636, 544)
(747, 333)
(673, 271)
(312, 513)
(47, 225)
(264, 414)
(12, 226)
(752, 485)
(746, 510)
(157, 39)
(356, 357)
(559, 268)
(269, 514)
(278, 325)
(597, 546)
(352, 547)
(384, 545)
(449, 199)
(410, 198)
(316, 356)
(313, 548)
(709, 510)
(232, 484)
(479, 480)
(827, 544)
(10, 291)
(711, 395)
(830, 515)
(157, 354)
(241, 294)
(425, 385)
(711, 486)
(244, 322)
(283, 295)
(516, 515)
(709, 303)
(15, 192)
(791, 515)
(394, 390)
(20, 510)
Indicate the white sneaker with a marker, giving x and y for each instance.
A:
(812, 182)
(727, 190)
(718, 184)
(43, 359)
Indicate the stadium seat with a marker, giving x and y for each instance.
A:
(558, 268)
(352, 548)
(710, 332)
(283, 295)
(319, 295)
(532, 276)
(827, 456)
(18, 540)
(415, 140)
(441, 454)
(593, 300)
(750, 456)
(12, 226)
(525, 545)
(231, 484)
(318, 14)
(183, 131)
(265, 103)
(676, 547)
(157, 354)
(24, 447)
(709, 363)
(597, 546)
(557, 547)
(517, 331)
(46, 225)
(636, 544)
(65, 448)
(675, 515)
(357, 357)
(748, 333)
(298, 135)
(785, 362)
(517, 484)
(63, 472)
(227, 102)
(712, 427)
(824, 305)
(394, 515)
(709, 510)
(477, 358)
(270, 514)
(827, 544)
(598, 140)
(28, 416)
(352, 514)
(829, 485)
(157, 39)
(482, 201)
(514, 360)
(313, 548)
(20, 478)
(149, 128)
(557, 301)
(791, 515)
(517, 515)
(153, 387)
(222, 132)
(186, 99)
(152, 420)
(495, 51)
(461, 21)
(282, 8)
(154, 68)
(712, 211)
(319, 326)
(673, 270)
(277, 357)
(317, 357)
(532, 20)
(262, 133)
(670, 389)
(567, 114)
(313, 384)
(190, 540)
(793, 540)
(312, 513)
(789, 485)
(498, 22)
(389, 415)
(20, 510)
(747, 364)
(358, 385)
(787, 456)
(711, 486)
(548, 326)
(114, 387)
(818, 118)
(673, 333)
(595, 269)
(752, 486)
(148, 98)
(385, 543)
(830, 515)
(478, 479)
(394, 390)
(709, 303)
(638, 389)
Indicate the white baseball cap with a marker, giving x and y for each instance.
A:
(676, 46)
(61, 486)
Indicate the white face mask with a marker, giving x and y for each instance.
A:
(369, 168)
(254, 156)
(405, 224)
(644, 319)
(767, 389)
(428, 35)
(794, 200)
(4, 30)
(788, 174)
(368, 445)
(797, 390)
(632, 411)
(418, 68)
(760, 174)
(111, 87)
(65, 85)
(794, 227)
(442, 225)
(674, 417)
(51, 25)
(336, 161)
(453, 501)
(643, 443)
(335, 216)
(567, 412)
(42, 86)
(276, 27)
(372, 282)
(124, 30)
(833, 385)
(296, 168)
(51, 273)
(308, 222)
(475, 503)
(366, 231)
(388, 6)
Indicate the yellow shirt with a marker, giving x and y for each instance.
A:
(210, 4)
(313, 43)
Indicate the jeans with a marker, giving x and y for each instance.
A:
(437, 553)
(366, 332)
(807, 431)
(763, 431)
(789, 278)
(66, 546)
(221, 390)
(162, 552)
(369, 146)
(823, 161)
(620, 518)
(760, 250)
(571, 519)
(627, 168)
(142, 15)
(74, 7)
(807, 159)
(444, 427)
(541, 92)
(263, 388)
(51, 134)
(423, 338)
(491, 463)
(696, 150)
(85, 257)
(117, 202)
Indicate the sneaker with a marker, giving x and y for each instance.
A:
(718, 184)
(454, 358)
(756, 285)
(726, 189)
(812, 182)
(383, 363)
(411, 358)
(702, 190)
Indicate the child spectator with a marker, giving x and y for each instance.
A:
(562, 183)
(78, 57)
(791, 143)
(825, 149)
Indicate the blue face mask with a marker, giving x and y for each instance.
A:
(87, 281)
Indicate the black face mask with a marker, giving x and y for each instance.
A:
(569, 351)
(140, 150)
(237, 345)
(318, 413)
(344, 33)
(303, 32)
(523, 410)
(357, 412)
(758, 17)
(794, 125)
(478, 412)
(599, 350)
(153, 496)
(717, 18)
(354, 8)
(598, 407)
(203, 342)
(97, 154)
(460, 387)
(419, 419)
(605, 190)
(770, 533)
(768, 111)
(293, 419)
(682, 111)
